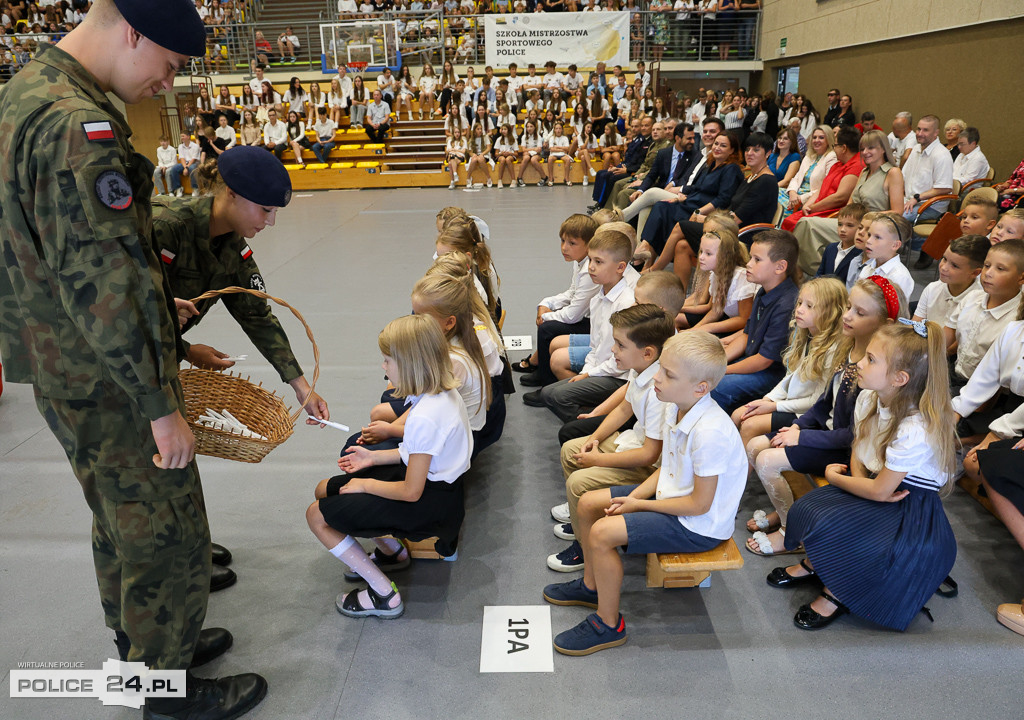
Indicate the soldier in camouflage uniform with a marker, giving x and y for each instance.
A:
(202, 244)
(86, 318)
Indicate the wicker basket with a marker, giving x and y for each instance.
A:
(261, 410)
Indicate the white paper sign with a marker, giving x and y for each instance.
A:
(516, 638)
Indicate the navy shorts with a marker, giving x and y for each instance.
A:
(653, 532)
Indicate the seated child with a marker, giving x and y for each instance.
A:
(889, 232)
(996, 461)
(958, 275)
(837, 256)
(463, 235)
(608, 457)
(860, 241)
(597, 377)
(725, 300)
(632, 275)
(877, 536)
(979, 214)
(981, 317)
(659, 288)
(824, 433)
(413, 491)
(683, 262)
(688, 505)
(569, 311)
(755, 353)
(1009, 227)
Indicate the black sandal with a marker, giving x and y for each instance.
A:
(781, 579)
(350, 606)
(524, 366)
(807, 618)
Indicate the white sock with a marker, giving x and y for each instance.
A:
(353, 555)
(389, 546)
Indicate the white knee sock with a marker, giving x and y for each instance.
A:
(389, 546)
(770, 466)
(353, 555)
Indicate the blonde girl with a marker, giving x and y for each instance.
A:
(586, 145)
(463, 236)
(413, 491)
(478, 148)
(447, 294)
(558, 149)
(455, 153)
(877, 537)
(530, 147)
(406, 92)
(816, 347)
(506, 152)
(505, 116)
(822, 435)
(720, 221)
(727, 298)
(336, 101)
(610, 145)
(427, 84)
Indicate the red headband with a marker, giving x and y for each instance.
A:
(892, 300)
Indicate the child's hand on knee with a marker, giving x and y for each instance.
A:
(577, 378)
(787, 437)
(622, 505)
(355, 485)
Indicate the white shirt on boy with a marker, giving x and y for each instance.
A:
(647, 408)
(600, 362)
(572, 305)
(1002, 367)
(892, 270)
(977, 327)
(937, 303)
(705, 442)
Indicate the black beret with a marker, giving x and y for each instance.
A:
(171, 24)
(256, 175)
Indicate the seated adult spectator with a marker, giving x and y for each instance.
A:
(879, 188)
(784, 162)
(1010, 191)
(377, 121)
(801, 142)
(902, 139)
(867, 122)
(838, 185)
(846, 116)
(636, 151)
(667, 176)
(952, 130)
(808, 119)
(275, 134)
(970, 163)
(818, 160)
(287, 44)
(833, 108)
(928, 172)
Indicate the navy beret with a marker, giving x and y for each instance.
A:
(256, 175)
(171, 24)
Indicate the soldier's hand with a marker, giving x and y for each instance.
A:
(174, 441)
(186, 310)
(314, 405)
(208, 358)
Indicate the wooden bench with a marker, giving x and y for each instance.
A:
(425, 550)
(801, 483)
(683, 570)
(973, 488)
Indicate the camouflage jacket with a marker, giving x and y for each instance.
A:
(82, 297)
(194, 263)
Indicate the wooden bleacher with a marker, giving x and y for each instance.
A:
(685, 570)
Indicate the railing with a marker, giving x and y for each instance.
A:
(431, 36)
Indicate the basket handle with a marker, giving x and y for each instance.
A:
(234, 290)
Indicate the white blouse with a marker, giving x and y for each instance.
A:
(739, 289)
(438, 425)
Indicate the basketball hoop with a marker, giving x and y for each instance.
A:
(356, 66)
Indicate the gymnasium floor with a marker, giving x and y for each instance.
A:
(347, 260)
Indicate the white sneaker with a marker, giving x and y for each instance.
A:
(451, 186)
(560, 513)
(593, 172)
(563, 531)
(195, 193)
(177, 193)
(489, 183)
(500, 185)
(585, 181)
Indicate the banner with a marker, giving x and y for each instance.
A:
(581, 38)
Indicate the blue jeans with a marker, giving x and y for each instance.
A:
(913, 216)
(175, 175)
(735, 390)
(322, 150)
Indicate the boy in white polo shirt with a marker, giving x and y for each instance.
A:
(688, 505)
(606, 457)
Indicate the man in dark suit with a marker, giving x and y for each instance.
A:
(634, 157)
(833, 108)
(668, 175)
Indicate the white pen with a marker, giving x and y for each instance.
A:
(332, 424)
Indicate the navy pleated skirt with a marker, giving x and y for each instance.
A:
(882, 560)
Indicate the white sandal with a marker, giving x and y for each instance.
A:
(761, 520)
(764, 545)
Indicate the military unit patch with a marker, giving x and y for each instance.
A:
(256, 283)
(114, 190)
(98, 130)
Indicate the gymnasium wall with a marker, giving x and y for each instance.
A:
(970, 72)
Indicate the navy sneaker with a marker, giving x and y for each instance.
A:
(573, 592)
(590, 636)
(563, 531)
(569, 560)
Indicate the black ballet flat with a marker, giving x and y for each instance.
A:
(781, 579)
(807, 618)
(524, 366)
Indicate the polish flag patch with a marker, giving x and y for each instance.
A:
(246, 252)
(98, 130)
(167, 256)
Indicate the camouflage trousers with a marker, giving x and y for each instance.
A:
(150, 537)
